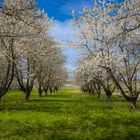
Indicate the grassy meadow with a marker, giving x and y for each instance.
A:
(67, 115)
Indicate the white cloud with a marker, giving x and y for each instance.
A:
(63, 31)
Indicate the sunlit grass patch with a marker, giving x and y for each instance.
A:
(68, 114)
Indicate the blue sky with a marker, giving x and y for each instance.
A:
(61, 11)
(62, 30)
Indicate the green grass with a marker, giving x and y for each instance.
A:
(67, 115)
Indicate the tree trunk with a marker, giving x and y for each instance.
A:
(108, 94)
(26, 96)
(40, 91)
(132, 103)
(93, 91)
(99, 95)
(1, 93)
(51, 91)
(46, 91)
(89, 91)
(107, 91)
(109, 98)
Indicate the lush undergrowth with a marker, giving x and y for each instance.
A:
(67, 115)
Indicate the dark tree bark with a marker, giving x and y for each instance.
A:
(27, 86)
(46, 91)
(40, 90)
(9, 75)
(97, 87)
(131, 98)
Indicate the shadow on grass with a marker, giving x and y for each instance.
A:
(53, 109)
(57, 102)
